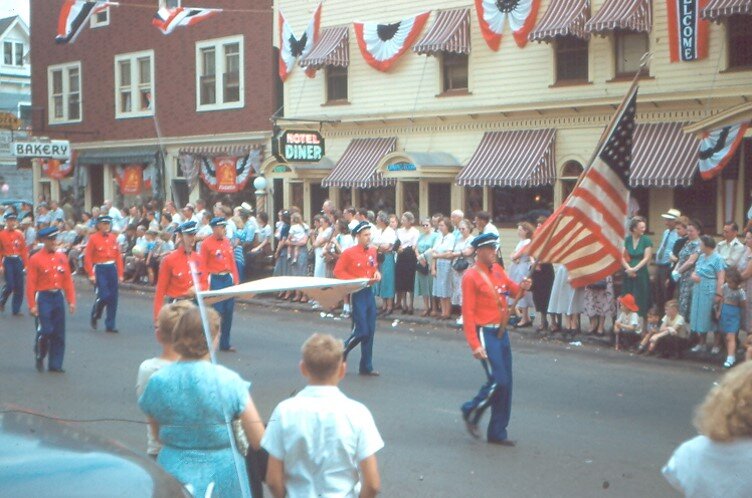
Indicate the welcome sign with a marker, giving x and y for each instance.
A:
(687, 31)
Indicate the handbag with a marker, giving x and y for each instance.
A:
(460, 264)
(503, 307)
(422, 268)
(599, 285)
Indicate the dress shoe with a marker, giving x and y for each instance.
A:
(372, 373)
(93, 322)
(113, 331)
(503, 442)
(39, 363)
(56, 370)
(472, 428)
(229, 350)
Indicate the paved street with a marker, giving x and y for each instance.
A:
(588, 422)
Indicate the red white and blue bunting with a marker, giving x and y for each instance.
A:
(166, 20)
(494, 14)
(382, 44)
(226, 174)
(718, 147)
(292, 48)
(73, 18)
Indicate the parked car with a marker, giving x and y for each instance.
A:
(42, 457)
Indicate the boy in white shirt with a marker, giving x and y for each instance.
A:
(320, 442)
(628, 322)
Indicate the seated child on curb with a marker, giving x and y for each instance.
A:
(734, 303)
(673, 337)
(321, 442)
(166, 320)
(653, 329)
(628, 322)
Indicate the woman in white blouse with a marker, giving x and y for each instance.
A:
(443, 253)
(406, 260)
(383, 240)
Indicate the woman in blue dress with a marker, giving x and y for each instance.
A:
(384, 238)
(188, 403)
(423, 252)
(708, 279)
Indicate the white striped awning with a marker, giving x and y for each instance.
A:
(716, 10)
(218, 150)
(663, 156)
(635, 15)
(332, 49)
(563, 18)
(357, 166)
(450, 33)
(520, 158)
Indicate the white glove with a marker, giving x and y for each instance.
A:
(675, 275)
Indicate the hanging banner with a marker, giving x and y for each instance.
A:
(494, 14)
(131, 180)
(226, 174)
(718, 147)
(382, 44)
(292, 48)
(687, 31)
(56, 169)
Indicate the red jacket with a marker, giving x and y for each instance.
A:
(356, 262)
(217, 257)
(13, 243)
(480, 306)
(100, 249)
(175, 278)
(48, 271)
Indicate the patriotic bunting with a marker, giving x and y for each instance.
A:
(56, 169)
(292, 48)
(718, 147)
(73, 18)
(226, 174)
(494, 14)
(687, 32)
(166, 20)
(382, 44)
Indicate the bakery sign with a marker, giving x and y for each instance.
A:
(301, 146)
(55, 149)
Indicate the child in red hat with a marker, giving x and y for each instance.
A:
(628, 320)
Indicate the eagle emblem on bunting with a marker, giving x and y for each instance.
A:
(382, 44)
(292, 48)
(493, 15)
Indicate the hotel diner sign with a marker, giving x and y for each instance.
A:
(301, 146)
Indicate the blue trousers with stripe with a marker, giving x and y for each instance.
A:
(107, 294)
(14, 283)
(496, 393)
(51, 327)
(224, 308)
(364, 327)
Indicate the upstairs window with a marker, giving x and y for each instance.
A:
(336, 84)
(134, 91)
(739, 32)
(629, 48)
(571, 55)
(219, 74)
(64, 93)
(100, 18)
(13, 54)
(454, 69)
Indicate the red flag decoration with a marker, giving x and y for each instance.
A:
(687, 31)
(131, 180)
(382, 44)
(493, 15)
(718, 147)
(73, 18)
(586, 233)
(226, 174)
(292, 48)
(53, 168)
(166, 20)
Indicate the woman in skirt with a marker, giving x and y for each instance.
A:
(708, 279)
(404, 270)
(519, 271)
(442, 268)
(423, 252)
(463, 250)
(281, 235)
(383, 239)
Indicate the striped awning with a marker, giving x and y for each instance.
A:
(332, 49)
(635, 15)
(716, 10)
(357, 166)
(450, 33)
(563, 18)
(218, 150)
(512, 159)
(663, 156)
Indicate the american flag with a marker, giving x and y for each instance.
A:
(586, 233)
(168, 19)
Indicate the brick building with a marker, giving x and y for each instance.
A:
(130, 98)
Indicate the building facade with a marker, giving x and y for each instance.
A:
(150, 115)
(456, 124)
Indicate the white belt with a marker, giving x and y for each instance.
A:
(17, 256)
(491, 326)
(105, 263)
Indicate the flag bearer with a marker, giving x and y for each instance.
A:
(218, 262)
(104, 265)
(359, 261)
(14, 257)
(49, 277)
(485, 313)
(175, 280)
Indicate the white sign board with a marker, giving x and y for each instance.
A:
(55, 149)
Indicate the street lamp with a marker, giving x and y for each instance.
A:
(259, 183)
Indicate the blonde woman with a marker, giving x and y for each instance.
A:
(716, 463)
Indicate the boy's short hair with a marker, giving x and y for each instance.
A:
(673, 303)
(168, 317)
(654, 311)
(322, 355)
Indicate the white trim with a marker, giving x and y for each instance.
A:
(18, 107)
(93, 23)
(135, 86)
(65, 68)
(219, 67)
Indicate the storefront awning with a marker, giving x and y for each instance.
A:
(130, 155)
(331, 49)
(716, 10)
(663, 156)
(563, 18)
(450, 33)
(635, 15)
(357, 166)
(520, 158)
(218, 150)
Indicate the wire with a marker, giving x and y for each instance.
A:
(152, 6)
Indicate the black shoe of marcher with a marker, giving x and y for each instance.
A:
(372, 373)
(39, 363)
(56, 370)
(472, 428)
(503, 442)
(113, 331)
(93, 322)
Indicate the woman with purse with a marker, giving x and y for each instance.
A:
(383, 239)
(463, 252)
(441, 267)
(423, 278)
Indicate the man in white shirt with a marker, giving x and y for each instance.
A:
(320, 442)
(350, 218)
(484, 225)
(730, 248)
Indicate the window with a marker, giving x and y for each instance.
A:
(739, 42)
(629, 49)
(454, 71)
(24, 113)
(19, 54)
(511, 205)
(134, 91)
(219, 74)
(700, 202)
(570, 173)
(64, 93)
(571, 55)
(8, 53)
(170, 4)
(100, 18)
(13, 54)
(336, 83)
